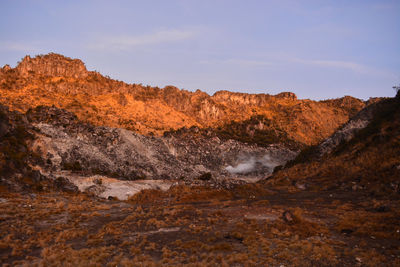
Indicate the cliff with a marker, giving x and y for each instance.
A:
(52, 65)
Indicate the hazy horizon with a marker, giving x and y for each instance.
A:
(315, 49)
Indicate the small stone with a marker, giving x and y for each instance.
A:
(288, 216)
(112, 198)
(347, 231)
(300, 186)
(98, 181)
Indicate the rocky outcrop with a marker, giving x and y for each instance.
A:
(17, 172)
(348, 130)
(50, 149)
(67, 144)
(52, 65)
(250, 99)
(350, 104)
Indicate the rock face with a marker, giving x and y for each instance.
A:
(250, 99)
(57, 80)
(16, 157)
(50, 149)
(52, 65)
(67, 144)
(348, 130)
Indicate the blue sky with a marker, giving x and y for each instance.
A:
(316, 49)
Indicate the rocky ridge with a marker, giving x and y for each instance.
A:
(57, 80)
(362, 155)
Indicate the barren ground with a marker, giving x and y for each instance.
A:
(201, 227)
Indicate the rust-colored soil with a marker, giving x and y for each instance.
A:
(327, 229)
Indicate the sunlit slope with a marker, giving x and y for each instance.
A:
(57, 80)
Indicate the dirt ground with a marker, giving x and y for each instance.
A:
(201, 227)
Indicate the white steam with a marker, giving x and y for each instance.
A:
(253, 164)
(244, 167)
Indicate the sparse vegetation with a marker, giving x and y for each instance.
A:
(342, 209)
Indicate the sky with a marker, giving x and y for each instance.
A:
(316, 49)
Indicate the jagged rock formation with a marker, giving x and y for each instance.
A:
(57, 80)
(17, 157)
(52, 65)
(50, 148)
(65, 143)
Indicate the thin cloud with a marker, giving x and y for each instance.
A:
(356, 67)
(240, 62)
(347, 65)
(282, 60)
(159, 37)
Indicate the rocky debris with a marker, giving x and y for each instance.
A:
(63, 184)
(67, 144)
(16, 157)
(14, 153)
(46, 148)
(95, 190)
(347, 131)
(298, 185)
(111, 188)
(53, 115)
(287, 216)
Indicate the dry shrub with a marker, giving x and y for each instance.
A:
(62, 255)
(181, 194)
(362, 223)
(69, 234)
(251, 191)
(147, 196)
(300, 226)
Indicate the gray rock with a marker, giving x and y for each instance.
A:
(66, 143)
(347, 131)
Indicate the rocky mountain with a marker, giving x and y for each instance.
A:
(89, 176)
(363, 155)
(66, 83)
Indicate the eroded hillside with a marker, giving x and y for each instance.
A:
(66, 83)
(364, 155)
(337, 208)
